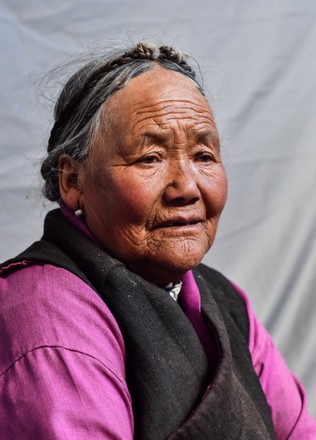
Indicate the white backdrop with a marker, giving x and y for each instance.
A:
(258, 59)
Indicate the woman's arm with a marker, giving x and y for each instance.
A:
(285, 394)
(62, 361)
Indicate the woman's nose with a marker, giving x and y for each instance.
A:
(182, 186)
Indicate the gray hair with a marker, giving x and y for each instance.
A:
(78, 109)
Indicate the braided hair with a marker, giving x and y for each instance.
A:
(78, 109)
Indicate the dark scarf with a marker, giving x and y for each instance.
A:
(173, 393)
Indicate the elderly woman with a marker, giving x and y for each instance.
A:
(111, 328)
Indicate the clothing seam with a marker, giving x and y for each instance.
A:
(62, 348)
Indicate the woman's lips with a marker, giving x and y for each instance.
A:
(178, 223)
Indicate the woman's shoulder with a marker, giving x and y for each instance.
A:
(226, 293)
(42, 305)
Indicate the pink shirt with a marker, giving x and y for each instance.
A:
(62, 363)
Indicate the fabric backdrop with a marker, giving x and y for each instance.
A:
(258, 60)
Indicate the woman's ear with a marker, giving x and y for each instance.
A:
(70, 181)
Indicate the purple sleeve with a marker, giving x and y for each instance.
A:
(284, 393)
(62, 360)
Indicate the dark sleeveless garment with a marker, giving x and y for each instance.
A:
(174, 394)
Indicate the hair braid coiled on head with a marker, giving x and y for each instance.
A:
(154, 53)
(77, 111)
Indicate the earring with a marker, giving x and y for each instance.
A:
(78, 211)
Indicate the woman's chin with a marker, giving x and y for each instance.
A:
(169, 269)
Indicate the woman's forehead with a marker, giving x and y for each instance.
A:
(157, 93)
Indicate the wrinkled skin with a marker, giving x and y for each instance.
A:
(154, 185)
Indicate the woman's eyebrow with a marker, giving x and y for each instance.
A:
(208, 135)
(157, 138)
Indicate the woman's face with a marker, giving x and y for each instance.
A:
(155, 186)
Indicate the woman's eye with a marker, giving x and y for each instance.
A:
(149, 159)
(205, 157)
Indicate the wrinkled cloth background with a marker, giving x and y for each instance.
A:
(258, 60)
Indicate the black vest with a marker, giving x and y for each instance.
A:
(174, 393)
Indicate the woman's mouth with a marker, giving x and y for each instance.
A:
(177, 223)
